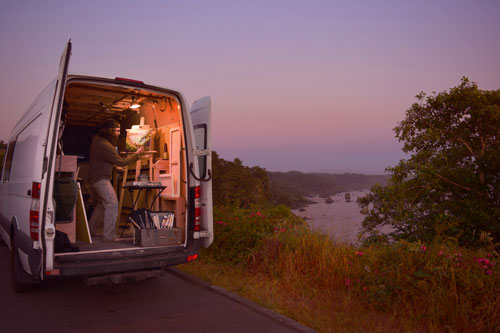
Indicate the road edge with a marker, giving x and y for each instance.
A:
(254, 306)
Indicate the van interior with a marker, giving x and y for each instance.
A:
(147, 117)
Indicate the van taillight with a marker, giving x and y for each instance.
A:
(35, 190)
(34, 224)
(34, 210)
(197, 208)
(193, 257)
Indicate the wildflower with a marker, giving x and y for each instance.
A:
(365, 288)
(489, 272)
(360, 254)
(283, 229)
(486, 261)
(440, 253)
(236, 217)
(220, 222)
(258, 213)
(423, 248)
(489, 255)
(348, 283)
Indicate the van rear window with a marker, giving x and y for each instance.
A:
(8, 161)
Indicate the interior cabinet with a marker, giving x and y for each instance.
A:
(67, 167)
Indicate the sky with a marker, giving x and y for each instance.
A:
(313, 86)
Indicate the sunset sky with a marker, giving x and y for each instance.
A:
(295, 85)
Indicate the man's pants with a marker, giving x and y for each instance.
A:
(106, 209)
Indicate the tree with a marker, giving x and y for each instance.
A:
(237, 185)
(450, 185)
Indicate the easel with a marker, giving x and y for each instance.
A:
(148, 155)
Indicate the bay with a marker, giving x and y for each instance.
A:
(341, 219)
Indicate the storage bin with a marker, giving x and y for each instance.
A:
(158, 237)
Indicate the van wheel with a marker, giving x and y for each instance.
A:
(20, 280)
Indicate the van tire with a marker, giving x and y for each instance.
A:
(20, 280)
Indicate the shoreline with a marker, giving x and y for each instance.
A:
(341, 220)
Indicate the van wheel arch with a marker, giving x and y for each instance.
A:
(20, 280)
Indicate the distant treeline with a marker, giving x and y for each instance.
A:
(237, 185)
(292, 188)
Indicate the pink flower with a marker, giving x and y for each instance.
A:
(489, 272)
(359, 253)
(423, 248)
(440, 253)
(283, 229)
(489, 255)
(365, 288)
(258, 213)
(486, 261)
(220, 222)
(348, 283)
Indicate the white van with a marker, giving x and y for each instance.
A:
(51, 141)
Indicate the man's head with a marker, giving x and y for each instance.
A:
(110, 129)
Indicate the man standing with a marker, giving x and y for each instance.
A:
(103, 155)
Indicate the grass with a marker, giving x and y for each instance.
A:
(270, 257)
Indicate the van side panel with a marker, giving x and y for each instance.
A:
(26, 167)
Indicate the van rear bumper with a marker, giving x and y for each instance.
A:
(118, 262)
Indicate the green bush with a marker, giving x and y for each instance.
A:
(239, 232)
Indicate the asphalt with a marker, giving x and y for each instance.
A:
(173, 302)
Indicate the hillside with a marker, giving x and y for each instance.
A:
(292, 188)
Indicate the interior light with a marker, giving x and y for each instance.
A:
(135, 104)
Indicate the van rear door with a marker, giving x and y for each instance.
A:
(47, 216)
(201, 118)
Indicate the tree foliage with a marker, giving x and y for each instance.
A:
(450, 185)
(236, 185)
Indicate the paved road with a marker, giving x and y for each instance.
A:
(165, 304)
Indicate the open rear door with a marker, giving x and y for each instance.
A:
(201, 118)
(47, 216)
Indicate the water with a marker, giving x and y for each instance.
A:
(341, 220)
